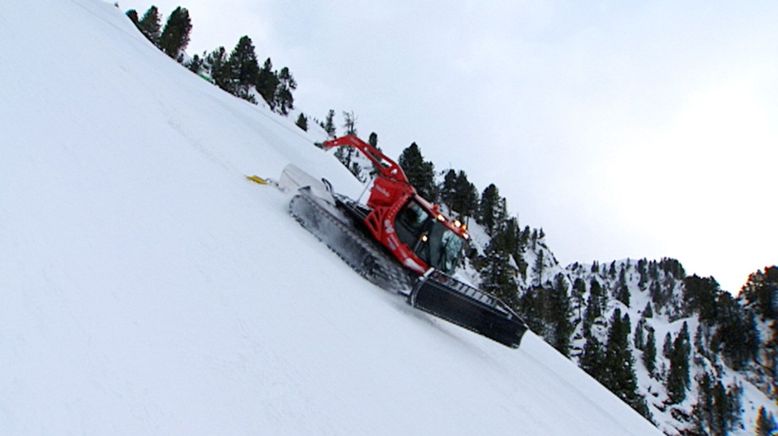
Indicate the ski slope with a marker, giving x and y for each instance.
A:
(147, 288)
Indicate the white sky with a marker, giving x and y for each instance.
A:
(623, 129)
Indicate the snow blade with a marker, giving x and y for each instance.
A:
(468, 307)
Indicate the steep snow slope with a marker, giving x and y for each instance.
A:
(668, 277)
(147, 288)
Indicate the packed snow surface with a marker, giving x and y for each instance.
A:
(148, 288)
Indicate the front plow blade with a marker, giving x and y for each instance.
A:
(468, 307)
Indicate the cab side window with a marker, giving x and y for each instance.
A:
(410, 223)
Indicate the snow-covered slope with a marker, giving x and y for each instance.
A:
(148, 288)
(666, 278)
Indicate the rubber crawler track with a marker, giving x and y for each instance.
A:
(360, 253)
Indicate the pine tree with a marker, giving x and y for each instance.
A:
(667, 347)
(649, 353)
(284, 100)
(373, 139)
(149, 25)
(329, 122)
(699, 345)
(525, 236)
(592, 357)
(678, 377)
(703, 409)
(734, 405)
(350, 123)
(593, 311)
(642, 268)
(657, 296)
(639, 339)
(267, 83)
(466, 198)
(559, 313)
(132, 14)
(700, 296)
(175, 36)
(648, 312)
(491, 210)
(622, 294)
(672, 267)
(302, 122)
(616, 356)
(216, 63)
(497, 276)
(532, 308)
(761, 292)
(196, 64)
(420, 173)
(346, 155)
(721, 423)
(737, 333)
(448, 188)
(717, 410)
(599, 295)
(579, 290)
(512, 238)
(619, 365)
(243, 69)
(538, 268)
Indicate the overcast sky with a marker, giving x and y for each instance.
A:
(624, 129)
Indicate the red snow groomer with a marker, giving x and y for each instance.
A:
(401, 242)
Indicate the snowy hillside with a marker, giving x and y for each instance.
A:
(668, 321)
(148, 288)
(650, 294)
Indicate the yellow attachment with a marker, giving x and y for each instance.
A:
(258, 180)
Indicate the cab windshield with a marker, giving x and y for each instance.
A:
(429, 238)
